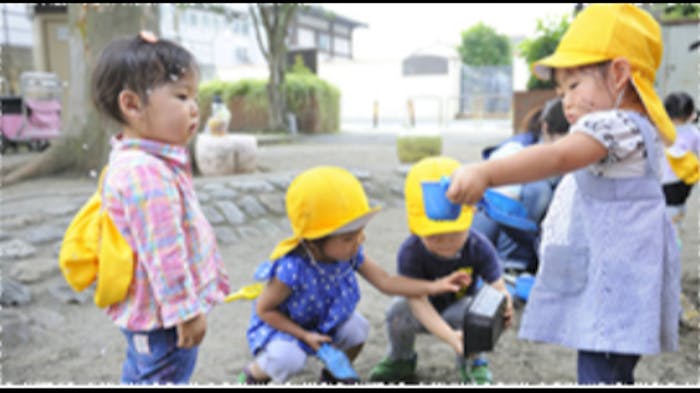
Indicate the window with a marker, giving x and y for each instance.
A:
(324, 43)
(241, 55)
(305, 38)
(341, 45)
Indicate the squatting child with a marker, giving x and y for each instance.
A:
(312, 290)
(437, 249)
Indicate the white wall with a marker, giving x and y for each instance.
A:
(680, 68)
(362, 82)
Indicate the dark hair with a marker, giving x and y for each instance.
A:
(553, 115)
(531, 122)
(137, 65)
(679, 105)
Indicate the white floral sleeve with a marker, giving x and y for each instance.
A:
(623, 139)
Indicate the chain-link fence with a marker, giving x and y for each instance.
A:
(485, 92)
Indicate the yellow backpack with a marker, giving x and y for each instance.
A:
(93, 249)
(685, 166)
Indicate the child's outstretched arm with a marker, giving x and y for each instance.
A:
(570, 153)
(427, 315)
(406, 286)
(274, 293)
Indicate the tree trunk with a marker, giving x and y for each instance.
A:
(273, 20)
(84, 144)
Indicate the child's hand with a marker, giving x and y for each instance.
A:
(314, 340)
(190, 333)
(452, 283)
(467, 185)
(457, 342)
(508, 312)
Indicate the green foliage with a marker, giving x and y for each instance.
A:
(482, 46)
(299, 67)
(679, 11)
(315, 102)
(543, 45)
(412, 148)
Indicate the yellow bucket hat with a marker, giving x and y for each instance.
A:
(322, 201)
(606, 31)
(431, 169)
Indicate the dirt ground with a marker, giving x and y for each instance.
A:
(84, 347)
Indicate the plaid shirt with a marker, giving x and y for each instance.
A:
(178, 273)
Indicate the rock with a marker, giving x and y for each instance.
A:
(252, 186)
(22, 220)
(233, 214)
(213, 215)
(249, 232)
(225, 154)
(4, 235)
(14, 293)
(267, 227)
(251, 206)
(62, 209)
(66, 294)
(34, 270)
(222, 194)
(273, 202)
(16, 249)
(281, 182)
(225, 235)
(203, 197)
(45, 234)
(361, 175)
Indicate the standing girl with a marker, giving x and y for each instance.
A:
(680, 169)
(312, 289)
(609, 280)
(149, 87)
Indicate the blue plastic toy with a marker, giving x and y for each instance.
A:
(437, 206)
(337, 363)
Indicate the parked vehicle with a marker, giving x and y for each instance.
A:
(32, 118)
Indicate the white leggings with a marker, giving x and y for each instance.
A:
(280, 359)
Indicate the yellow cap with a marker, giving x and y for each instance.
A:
(322, 201)
(431, 169)
(604, 32)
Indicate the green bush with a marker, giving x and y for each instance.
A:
(315, 102)
(412, 148)
(543, 45)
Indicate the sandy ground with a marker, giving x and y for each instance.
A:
(84, 347)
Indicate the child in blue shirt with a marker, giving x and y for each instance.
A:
(436, 249)
(312, 289)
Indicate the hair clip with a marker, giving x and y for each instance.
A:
(148, 36)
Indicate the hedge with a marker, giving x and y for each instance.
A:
(315, 102)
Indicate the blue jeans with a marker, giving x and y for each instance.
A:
(605, 368)
(152, 357)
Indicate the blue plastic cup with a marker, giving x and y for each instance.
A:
(437, 206)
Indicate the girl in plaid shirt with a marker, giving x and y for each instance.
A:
(149, 87)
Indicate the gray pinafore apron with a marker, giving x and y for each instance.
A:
(609, 275)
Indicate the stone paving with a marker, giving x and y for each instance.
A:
(238, 209)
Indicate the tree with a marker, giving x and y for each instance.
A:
(482, 46)
(543, 45)
(273, 20)
(83, 145)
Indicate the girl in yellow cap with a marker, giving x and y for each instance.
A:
(608, 284)
(312, 289)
